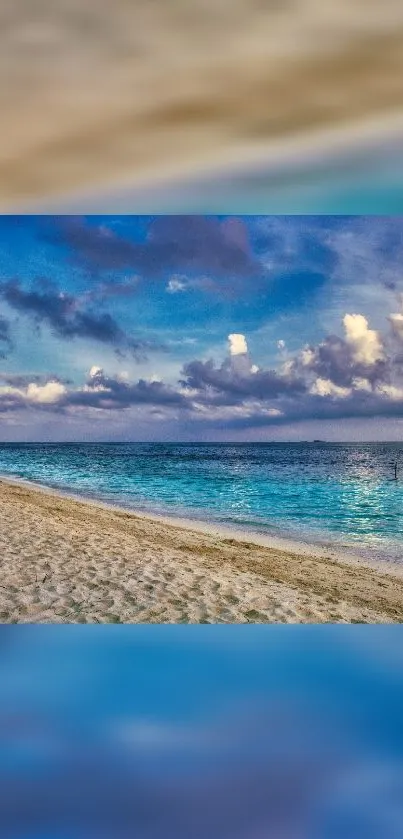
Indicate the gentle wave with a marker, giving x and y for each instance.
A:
(336, 494)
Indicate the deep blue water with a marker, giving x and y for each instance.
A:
(325, 493)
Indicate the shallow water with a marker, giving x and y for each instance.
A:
(320, 493)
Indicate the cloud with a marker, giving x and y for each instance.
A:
(230, 382)
(397, 324)
(95, 371)
(353, 376)
(237, 344)
(174, 244)
(324, 387)
(366, 344)
(48, 394)
(22, 380)
(45, 303)
(5, 338)
(97, 247)
(368, 251)
(113, 392)
(391, 391)
(176, 284)
(100, 391)
(357, 375)
(199, 244)
(16, 392)
(239, 355)
(359, 355)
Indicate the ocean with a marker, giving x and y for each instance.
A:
(327, 494)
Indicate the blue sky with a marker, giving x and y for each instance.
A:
(118, 327)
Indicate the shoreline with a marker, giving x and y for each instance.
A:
(241, 534)
(65, 560)
(300, 153)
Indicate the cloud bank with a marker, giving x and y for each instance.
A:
(44, 303)
(358, 374)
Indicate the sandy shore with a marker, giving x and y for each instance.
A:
(64, 560)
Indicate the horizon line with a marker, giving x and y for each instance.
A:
(191, 442)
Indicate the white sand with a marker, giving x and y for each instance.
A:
(64, 560)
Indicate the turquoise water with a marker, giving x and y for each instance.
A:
(340, 494)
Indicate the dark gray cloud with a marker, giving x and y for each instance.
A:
(18, 380)
(334, 359)
(202, 245)
(110, 393)
(263, 384)
(100, 391)
(193, 244)
(96, 247)
(45, 303)
(357, 406)
(355, 376)
(5, 338)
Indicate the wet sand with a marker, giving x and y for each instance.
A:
(71, 561)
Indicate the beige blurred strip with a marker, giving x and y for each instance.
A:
(92, 92)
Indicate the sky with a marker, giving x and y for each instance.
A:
(201, 328)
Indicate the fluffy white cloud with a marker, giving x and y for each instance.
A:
(95, 371)
(391, 391)
(47, 394)
(237, 344)
(307, 356)
(365, 344)
(324, 387)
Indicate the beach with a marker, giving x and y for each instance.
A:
(65, 560)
